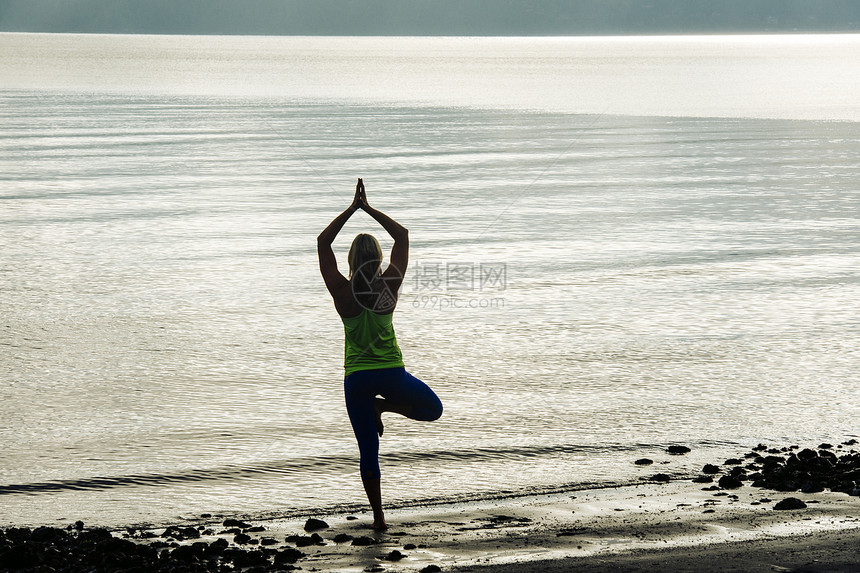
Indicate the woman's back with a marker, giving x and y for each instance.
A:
(370, 343)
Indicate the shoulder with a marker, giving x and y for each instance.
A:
(341, 294)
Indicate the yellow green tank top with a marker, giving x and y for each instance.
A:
(370, 342)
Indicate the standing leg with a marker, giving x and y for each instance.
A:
(360, 401)
(401, 393)
(373, 489)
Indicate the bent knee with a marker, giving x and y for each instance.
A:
(438, 412)
(431, 412)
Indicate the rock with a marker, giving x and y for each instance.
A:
(255, 529)
(242, 539)
(410, 546)
(363, 541)
(94, 536)
(643, 462)
(395, 555)
(703, 479)
(217, 547)
(267, 541)
(431, 569)
(772, 461)
(807, 454)
(315, 525)
(732, 462)
(825, 446)
(678, 450)
(710, 469)
(790, 503)
(236, 523)
(242, 558)
(306, 541)
(48, 535)
(342, 538)
(729, 482)
(181, 533)
(811, 487)
(184, 553)
(782, 485)
(738, 472)
(288, 556)
(662, 478)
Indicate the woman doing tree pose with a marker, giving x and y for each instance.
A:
(375, 379)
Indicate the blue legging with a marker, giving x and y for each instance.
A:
(395, 384)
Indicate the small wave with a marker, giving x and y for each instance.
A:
(321, 464)
(191, 476)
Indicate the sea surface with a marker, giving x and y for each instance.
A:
(617, 244)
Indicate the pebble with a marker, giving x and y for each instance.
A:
(729, 482)
(395, 555)
(678, 450)
(315, 525)
(790, 503)
(363, 541)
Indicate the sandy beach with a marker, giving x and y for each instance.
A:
(658, 525)
(669, 527)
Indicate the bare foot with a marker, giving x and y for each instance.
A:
(377, 406)
(379, 525)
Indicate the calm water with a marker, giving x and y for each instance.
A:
(617, 244)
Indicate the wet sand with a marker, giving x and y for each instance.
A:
(676, 526)
(670, 527)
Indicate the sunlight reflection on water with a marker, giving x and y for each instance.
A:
(165, 327)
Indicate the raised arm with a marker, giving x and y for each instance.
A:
(334, 280)
(400, 250)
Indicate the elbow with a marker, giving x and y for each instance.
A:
(323, 245)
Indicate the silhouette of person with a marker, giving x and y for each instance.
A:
(375, 378)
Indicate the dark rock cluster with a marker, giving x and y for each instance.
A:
(179, 549)
(792, 469)
(49, 549)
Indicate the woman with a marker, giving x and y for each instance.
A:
(373, 363)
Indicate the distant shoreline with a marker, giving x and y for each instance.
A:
(716, 34)
(435, 17)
